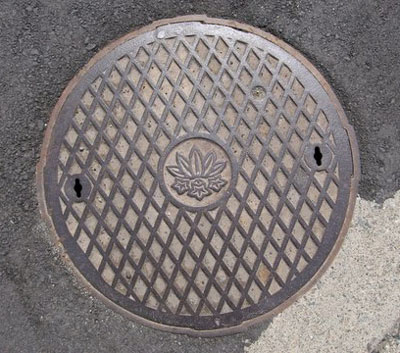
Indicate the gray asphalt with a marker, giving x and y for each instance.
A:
(44, 43)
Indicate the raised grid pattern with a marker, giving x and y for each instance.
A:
(208, 262)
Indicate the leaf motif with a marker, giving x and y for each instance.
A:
(183, 165)
(197, 176)
(196, 161)
(175, 171)
(216, 183)
(199, 192)
(181, 185)
(217, 168)
(209, 160)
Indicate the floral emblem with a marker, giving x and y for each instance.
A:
(197, 176)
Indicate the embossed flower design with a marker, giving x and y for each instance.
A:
(198, 176)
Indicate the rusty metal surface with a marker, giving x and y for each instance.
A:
(199, 176)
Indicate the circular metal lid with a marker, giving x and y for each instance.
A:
(200, 174)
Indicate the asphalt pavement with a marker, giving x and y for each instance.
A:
(43, 43)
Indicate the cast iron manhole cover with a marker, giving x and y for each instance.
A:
(200, 174)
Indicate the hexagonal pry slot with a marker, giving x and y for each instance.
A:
(78, 187)
(318, 156)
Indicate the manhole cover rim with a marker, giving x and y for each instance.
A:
(46, 214)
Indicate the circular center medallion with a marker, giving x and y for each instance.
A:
(200, 175)
(197, 172)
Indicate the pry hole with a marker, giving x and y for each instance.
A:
(318, 156)
(78, 188)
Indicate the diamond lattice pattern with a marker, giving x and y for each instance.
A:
(209, 262)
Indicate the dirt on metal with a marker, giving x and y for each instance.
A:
(200, 175)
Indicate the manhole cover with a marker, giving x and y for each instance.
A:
(200, 174)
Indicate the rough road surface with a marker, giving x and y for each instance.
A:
(43, 43)
(352, 306)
